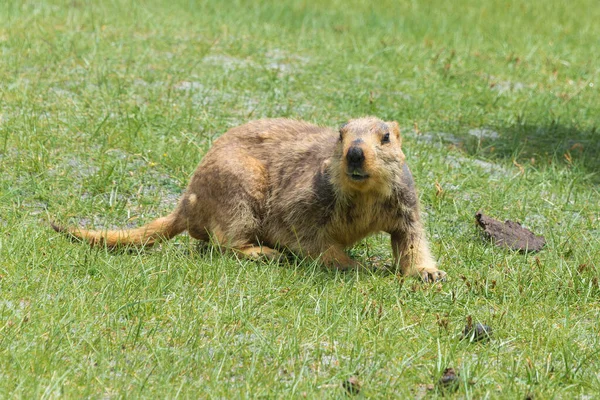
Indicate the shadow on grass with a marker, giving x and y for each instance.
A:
(537, 145)
(373, 266)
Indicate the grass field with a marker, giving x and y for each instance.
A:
(106, 107)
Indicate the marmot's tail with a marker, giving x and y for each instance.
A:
(147, 235)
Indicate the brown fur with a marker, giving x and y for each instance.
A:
(288, 184)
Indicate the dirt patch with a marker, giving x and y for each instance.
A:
(510, 234)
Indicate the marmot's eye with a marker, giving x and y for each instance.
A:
(341, 136)
(385, 138)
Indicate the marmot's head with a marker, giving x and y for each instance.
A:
(368, 156)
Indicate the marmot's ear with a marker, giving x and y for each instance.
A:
(341, 131)
(395, 129)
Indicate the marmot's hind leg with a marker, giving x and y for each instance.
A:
(256, 252)
(229, 197)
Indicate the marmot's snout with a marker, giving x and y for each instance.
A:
(355, 158)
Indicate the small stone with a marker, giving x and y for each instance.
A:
(352, 385)
(448, 380)
(477, 332)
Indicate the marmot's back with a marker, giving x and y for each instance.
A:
(288, 149)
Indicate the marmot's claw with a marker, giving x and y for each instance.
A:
(433, 276)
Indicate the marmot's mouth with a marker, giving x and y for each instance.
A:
(357, 176)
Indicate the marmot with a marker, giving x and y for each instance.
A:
(286, 184)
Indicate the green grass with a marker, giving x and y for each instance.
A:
(106, 107)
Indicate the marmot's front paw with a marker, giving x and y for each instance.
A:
(433, 275)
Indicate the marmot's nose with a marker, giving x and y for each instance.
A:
(355, 156)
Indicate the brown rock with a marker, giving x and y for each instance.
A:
(510, 234)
